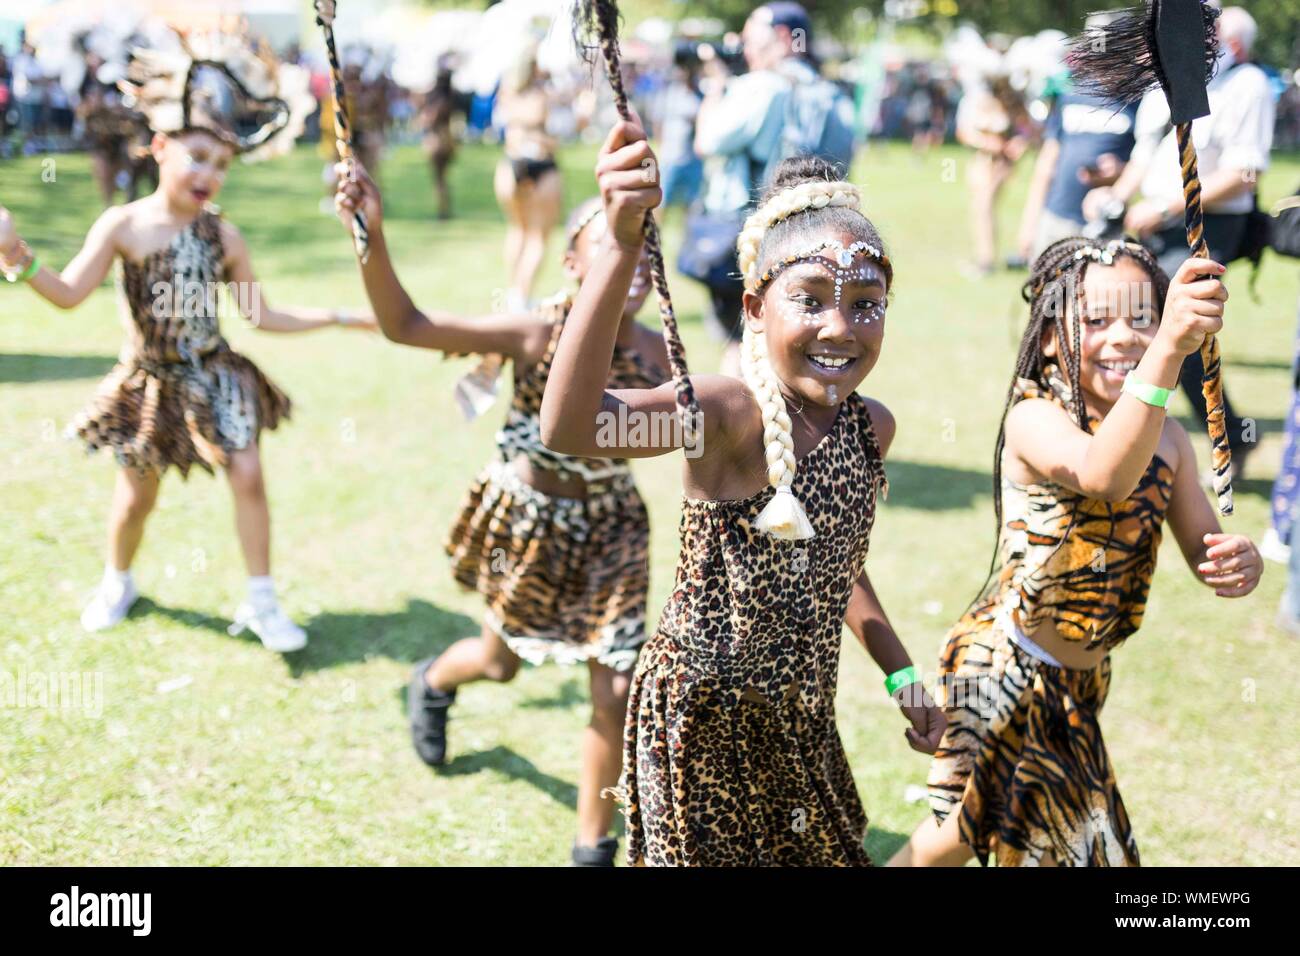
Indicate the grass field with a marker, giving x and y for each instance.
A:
(209, 750)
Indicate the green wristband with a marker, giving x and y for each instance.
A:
(33, 267)
(901, 678)
(1152, 395)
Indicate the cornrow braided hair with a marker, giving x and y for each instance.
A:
(600, 18)
(1056, 303)
(804, 192)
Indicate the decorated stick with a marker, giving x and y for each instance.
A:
(600, 17)
(325, 10)
(1172, 44)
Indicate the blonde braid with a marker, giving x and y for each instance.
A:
(784, 516)
(816, 194)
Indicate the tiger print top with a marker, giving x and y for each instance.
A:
(1082, 563)
(171, 296)
(522, 432)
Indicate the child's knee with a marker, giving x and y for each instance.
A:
(245, 474)
(501, 668)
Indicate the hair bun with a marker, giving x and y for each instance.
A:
(796, 170)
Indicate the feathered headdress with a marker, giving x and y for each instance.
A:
(220, 84)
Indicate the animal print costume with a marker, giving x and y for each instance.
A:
(731, 753)
(179, 395)
(1023, 760)
(565, 579)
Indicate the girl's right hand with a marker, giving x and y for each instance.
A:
(8, 234)
(628, 174)
(1194, 306)
(357, 193)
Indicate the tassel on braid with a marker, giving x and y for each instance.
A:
(600, 18)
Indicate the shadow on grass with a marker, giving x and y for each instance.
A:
(505, 761)
(421, 630)
(936, 487)
(146, 607)
(22, 367)
(569, 694)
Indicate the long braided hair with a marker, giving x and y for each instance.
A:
(805, 200)
(1056, 304)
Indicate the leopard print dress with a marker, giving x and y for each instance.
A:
(1023, 761)
(565, 579)
(178, 395)
(731, 752)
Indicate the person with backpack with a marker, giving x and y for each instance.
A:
(746, 126)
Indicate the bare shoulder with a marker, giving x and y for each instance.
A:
(882, 423)
(231, 237)
(728, 406)
(112, 222)
(1175, 446)
(1031, 415)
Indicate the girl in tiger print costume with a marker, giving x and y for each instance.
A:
(179, 395)
(557, 545)
(732, 756)
(1086, 471)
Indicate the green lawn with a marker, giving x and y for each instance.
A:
(211, 750)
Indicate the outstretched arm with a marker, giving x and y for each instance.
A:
(514, 335)
(81, 276)
(247, 293)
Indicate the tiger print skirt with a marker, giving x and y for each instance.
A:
(1023, 760)
(565, 579)
(159, 414)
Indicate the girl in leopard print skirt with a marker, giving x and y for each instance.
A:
(557, 545)
(179, 395)
(731, 752)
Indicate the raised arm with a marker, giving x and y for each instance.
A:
(516, 336)
(579, 417)
(81, 276)
(1109, 463)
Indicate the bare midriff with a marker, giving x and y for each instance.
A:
(1071, 654)
(548, 482)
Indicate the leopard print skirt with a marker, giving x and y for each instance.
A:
(565, 579)
(1022, 760)
(160, 414)
(763, 783)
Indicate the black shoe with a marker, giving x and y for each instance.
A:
(427, 709)
(602, 854)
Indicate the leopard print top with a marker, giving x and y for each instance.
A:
(731, 753)
(171, 296)
(522, 432)
(1084, 564)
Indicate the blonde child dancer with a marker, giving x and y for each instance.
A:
(179, 395)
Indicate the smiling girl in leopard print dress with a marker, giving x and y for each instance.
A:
(731, 752)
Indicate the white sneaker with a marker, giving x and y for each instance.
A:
(108, 607)
(1272, 548)
(272, 626)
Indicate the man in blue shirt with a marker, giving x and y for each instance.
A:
(1086, 144)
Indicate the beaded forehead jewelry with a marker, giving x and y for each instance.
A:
(1103, 254)
(838, 263)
